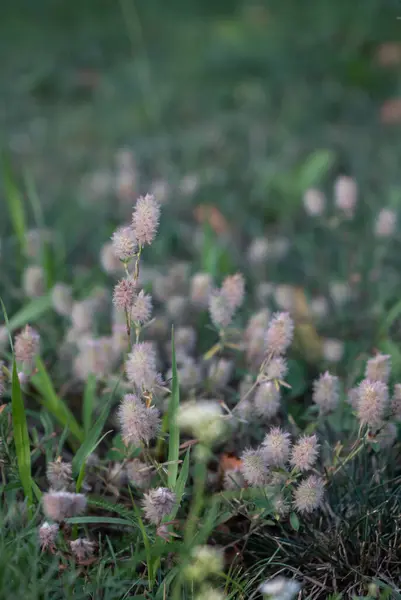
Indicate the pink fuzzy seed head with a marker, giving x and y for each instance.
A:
(139, 424)
(124, 243)
(304, 453)
(372, 402)
(26, 346)
(276, 447)
(124, 294)
(145, 219)
(157, 504)
(280, 333)
(233, 289)
(308, 496)
(141, 311)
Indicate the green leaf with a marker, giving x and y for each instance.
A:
(294, 521)
(174, 431)
(393, 314)
(89, 402)
(92, 439)
(315, 168)
(180, 485)
(21, 436)
(15, 202)
(53, 403)
(30, 312)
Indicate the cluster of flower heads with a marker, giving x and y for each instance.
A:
(59, 504)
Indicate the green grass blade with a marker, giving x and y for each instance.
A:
(181, 483)
(15, 202)
(30, 313)
(174, 432)
(92, 439)
(100, 520)
(89, 403)
(53, 403)
(21, 436)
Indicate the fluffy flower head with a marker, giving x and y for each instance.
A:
(26, 346)
(141, 311)
(276, 447)
(267, 400)
(139, 423)
(158, 503)
(203, 419)
(308, 496)
(326, 392)
(280, 333)
(304, 453)
(372, 402)
(124, 294)
(145, 219)
(59, 506)
(253, 468)
(141, 367)
(378, 368)
(124, 243)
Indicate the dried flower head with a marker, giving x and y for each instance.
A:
(326, 393)
(203, 419)
(141, 367)
(59, 475)
(276, 368)
(61, 297)
(141, 311)
(145, 219)
(254, 468)
(304, 453)
(314, 202)
(233, 479)
(26, 346)
(200, 289)
(276, 447)
(280, 588)
(396, 402)
(48, 535)
(158, 503)
(124, 243)
(378, 368)
(139, 424)
(372, 402)
(386, 223)
(346, 194)
(280, 333)
(59, 506)
(267, 400)
(308, 496)
(220, 309)
(220, 372)
(33, 281)
(333, 350)
(124, 294)
(82, 549)
(139, 474)
(233, 289)
(205, 561)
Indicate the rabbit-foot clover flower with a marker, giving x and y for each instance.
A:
(48, 535)
(267, 400)
(141, 368)
(62, 505)
(314, 202)
(280, 333)
(304, 453)
(139, 424)
(82, 549)
(276, 447)
(346, 195)
(124, 294)
(59, 475)
(200, 289)
(326, 392)
(378, 368)
(220, 309)
(26, 347)
(280, 588)
(372, 402)
(139, 473)
(308, 496)
(124, 243)
(233, 289)
(61, 298)
(158, 503)
(141, 311)
(145, 219)
(254, 468)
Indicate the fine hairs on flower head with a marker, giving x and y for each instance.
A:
(141, 310)
(276, 447)
(62, 505)
(145, 219)
(326, 392)
(378, 368)
(280, 333)
(233, 289)
(372, 402)
(59, 475)
(220, 309)
(82, 549)
(276, 368)
(205, 561)
(141, 367)
(48, 535)
(304, 453)
(26, 346)
(267, 400)
(139, 424)
(139, 473)
(254, 468)
(308, 496)
(124, 243)
(280, 588)
(157, 504)
(124, 294)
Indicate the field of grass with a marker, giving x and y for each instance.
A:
(205, 404)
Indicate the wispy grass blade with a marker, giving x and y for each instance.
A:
(21, 437)
(53, 403)
(174, 432)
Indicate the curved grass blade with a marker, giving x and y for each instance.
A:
(30, 313)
